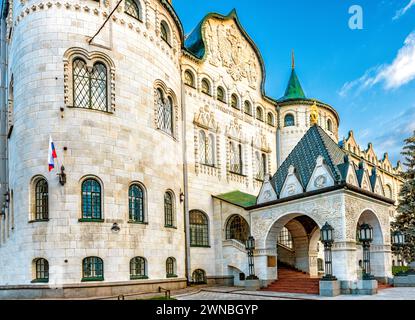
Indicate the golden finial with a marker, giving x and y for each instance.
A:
(292, 60)
(314, 114)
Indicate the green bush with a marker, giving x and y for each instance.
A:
(399, 270)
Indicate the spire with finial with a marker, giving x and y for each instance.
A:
(294, 89)
(292, 59)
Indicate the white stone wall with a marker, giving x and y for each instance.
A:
(118, 147)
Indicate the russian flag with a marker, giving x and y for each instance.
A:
(51, 154)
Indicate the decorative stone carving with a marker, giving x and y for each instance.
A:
(227, 46)
(206, 119)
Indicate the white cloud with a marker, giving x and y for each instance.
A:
(401, 71)
(402, 11)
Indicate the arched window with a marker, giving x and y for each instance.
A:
(199, 229)
(199, 276)
(270, 119)
(41, 200)
(165, 32)
(138, 268)
(92, 269)
(234, 101)
(235, 158)
(237, 229)
(289, 120)
(202, 147)
(41, 270)
(90, 86)
(221, 94)
(164, 112)
(320, 266)
(329, 125)
(91, 200)
(136, 203)
(261, 162)
(210, 150)
(247, 108)
(259, 114)
(189, 79)
(388, 191)
(132, 8)
(354, 150)
(171, 267)
(285, 238)
(168, 210)
(206, 86)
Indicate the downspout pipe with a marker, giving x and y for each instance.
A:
(185, 186)
(278, 138)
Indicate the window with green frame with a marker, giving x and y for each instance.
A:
(91, 200)
(41, 270)
(199, 229)
(199, 277)
(138, 268)
(171, 267)
(132, 8)
(92, 269)
(136, 203)
(41, 199)
(168, 210)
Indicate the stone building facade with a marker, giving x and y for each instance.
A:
(148, 125)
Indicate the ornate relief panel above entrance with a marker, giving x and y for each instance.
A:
(228, 48)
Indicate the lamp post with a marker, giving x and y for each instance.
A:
(250, 247)
(366, 237)
(398, 239)
(326, 236)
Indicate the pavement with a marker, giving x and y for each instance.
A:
(235, 293)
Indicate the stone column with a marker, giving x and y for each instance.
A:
(344, 261)
(381, 262)
(266, 265)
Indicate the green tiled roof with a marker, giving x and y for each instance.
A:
(316, 142)
(238, 198)
(294, 89)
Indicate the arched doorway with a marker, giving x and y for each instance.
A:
(296, 238)
(380, 257)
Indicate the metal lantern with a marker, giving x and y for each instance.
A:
(326, 233)
(250, 243)
(398, 238)
(365, 233)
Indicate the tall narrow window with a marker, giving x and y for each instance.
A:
(168, 210)
(189, 78)
(202, 147)
(132, 9)
(235, 158)
(90, 86)
(259, 114)
(41, 270)
(136, 203)
(221, 94)
(206, 86)
(92, 269)
(289, 120)
(247, 108)
(41, 199)
(91, 200)
(171, 267)
(270, 119)
(210, 150)
(164, 112)
(199, 229)
(260, 165)
(165, 32)
(234, 101)
(329, 125)
(138, 268)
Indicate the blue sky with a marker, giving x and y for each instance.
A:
(367, 75)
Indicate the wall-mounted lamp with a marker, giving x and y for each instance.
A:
(62, 110)
(62, 176)
(115, 227)
(181, 196)
(6, 199)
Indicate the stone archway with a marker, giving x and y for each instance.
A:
(305, 233)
